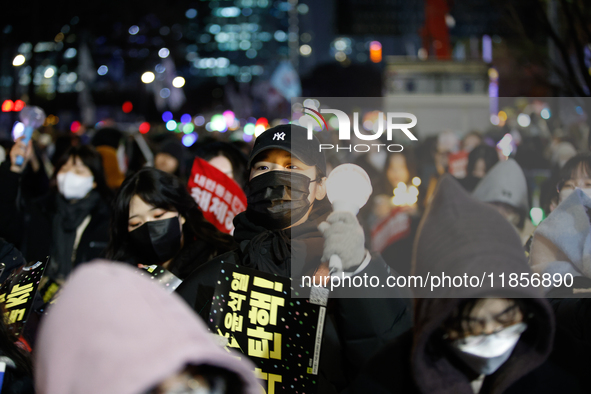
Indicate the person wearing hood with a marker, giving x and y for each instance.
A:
(561, 248)
(70, 223)
(157, 222)
(466, 340)
(115, 331)
(286, 196)
(505, 188)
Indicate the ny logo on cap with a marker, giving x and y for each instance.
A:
(279, 136)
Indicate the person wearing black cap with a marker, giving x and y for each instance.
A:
(483, 339)
(286, 203)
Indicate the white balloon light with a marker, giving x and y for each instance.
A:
(348, 188)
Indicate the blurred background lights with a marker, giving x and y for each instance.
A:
(166, 116)
(545, 113)
(506, 145)
(188, 128)
(144, 127)
(102, 70)
(7, 106)
(494, 119)
(218, 123)
(375, 51)
(49, 72)
(258, 131)
(165, 92)
(148, 77)
(189, 139)
(537, 215)
(199, 120)
(170, 125)
(303, 9)
(280, 36)
(229, 117)
(133, 30)
(191, 14)
(70, 53)
(18, 60)
(247, 137)
(18, 105)
(75, 126)
(163, 53)
(406, 195)
(178, 82)
(305, 50)
(523, 120)
(186, 118)
(249, 129)
(127, 107)
(340, 45)
(416, 181)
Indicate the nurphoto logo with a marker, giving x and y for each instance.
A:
(385, 123)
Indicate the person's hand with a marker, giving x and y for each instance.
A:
(20, 149)
(343, 236)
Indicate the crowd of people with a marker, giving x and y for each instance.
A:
(101, 208)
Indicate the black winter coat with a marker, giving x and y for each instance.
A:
(32, 227)
(389, 372)
(355, 328)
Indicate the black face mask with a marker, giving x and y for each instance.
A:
(157, 241)
(277, 199)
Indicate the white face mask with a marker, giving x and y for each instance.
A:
(486, 353)
(565, 192)
(73, 186)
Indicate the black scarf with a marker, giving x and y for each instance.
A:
(68, 216)
(273, 250)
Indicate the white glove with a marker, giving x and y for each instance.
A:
(344, 238)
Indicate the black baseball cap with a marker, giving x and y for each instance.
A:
(293, 139)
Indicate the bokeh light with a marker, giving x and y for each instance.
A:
(171, 125)
(178, 82)
(18, 60)
(148, 77)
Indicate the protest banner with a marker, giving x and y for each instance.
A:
(219, 197)
(281, 335)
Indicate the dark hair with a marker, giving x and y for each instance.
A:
(91, 159)
(582, 161)
(485, 152)
(107, 136)
(230, 152)
(462, 312)
(164, 191)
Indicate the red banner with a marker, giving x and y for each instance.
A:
(392, 228)
(219, 197)
(458, 163)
